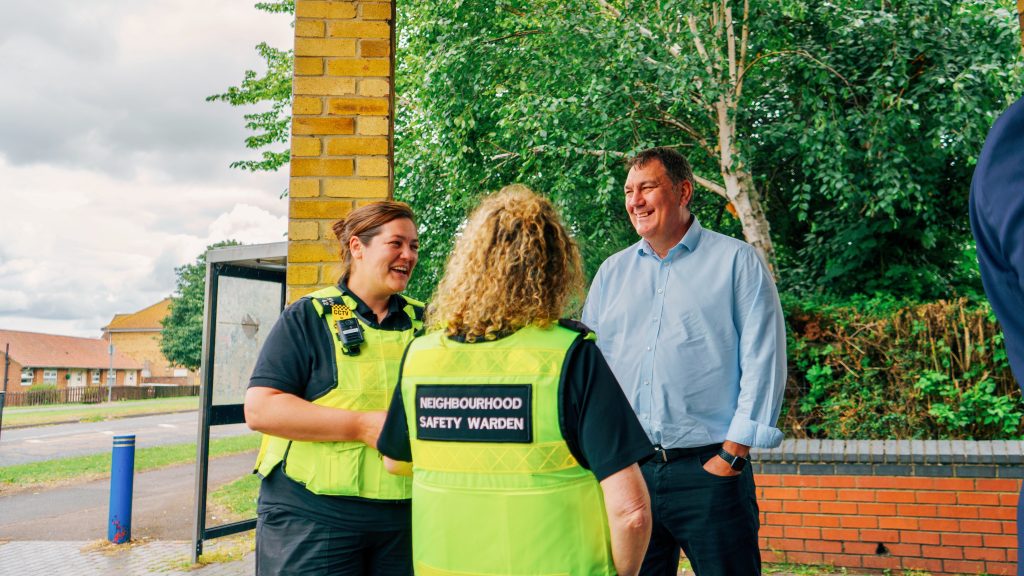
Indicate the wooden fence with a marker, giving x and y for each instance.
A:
(96, 394)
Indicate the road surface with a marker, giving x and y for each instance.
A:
(162, 506)
(24, 445)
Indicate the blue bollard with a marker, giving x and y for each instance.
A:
(122, 470)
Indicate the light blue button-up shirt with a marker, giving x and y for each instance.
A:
(697, 339)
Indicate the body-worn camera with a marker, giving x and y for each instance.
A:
(349, 330)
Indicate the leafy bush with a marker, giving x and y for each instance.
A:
(879, 368)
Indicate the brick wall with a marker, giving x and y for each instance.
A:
(937, 506)
(13, 373)
(143, 347)
(341, 128)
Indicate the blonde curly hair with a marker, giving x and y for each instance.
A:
(514, 265)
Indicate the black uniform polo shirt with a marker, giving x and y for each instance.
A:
(298, 358)
(597, 422)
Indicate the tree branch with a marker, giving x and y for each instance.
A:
(689, 130)
(674, 49)
(712, 186)
(744, 41)
(692, 21)
(803, 53)
(730, 41)
(519, 34)
(545, 148)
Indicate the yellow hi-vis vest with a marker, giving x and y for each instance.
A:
(495, 488)
(366, 382)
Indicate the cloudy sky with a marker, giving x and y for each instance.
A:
(113, 167)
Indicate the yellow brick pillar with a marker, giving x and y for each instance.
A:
(341, 128)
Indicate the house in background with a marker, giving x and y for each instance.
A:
(138, 336)
(64, 362)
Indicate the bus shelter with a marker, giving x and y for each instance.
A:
(245, 294)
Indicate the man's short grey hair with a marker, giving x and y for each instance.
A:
(676, 165)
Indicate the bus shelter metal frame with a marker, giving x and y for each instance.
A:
(261, 262)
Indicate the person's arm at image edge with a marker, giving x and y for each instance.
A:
(629, 518)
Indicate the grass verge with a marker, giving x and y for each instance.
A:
(237, 500)
(42, 415)
(85, 468)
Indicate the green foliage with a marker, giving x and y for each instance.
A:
(878, 368)
(274, 87)
(181, 339)
(873, 145)
(860, 124)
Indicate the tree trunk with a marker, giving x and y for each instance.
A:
(746, 200)
(739, 186)
(1020, 18)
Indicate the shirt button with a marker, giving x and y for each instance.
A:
(660, 290)
(647, 382)
(648, 348)
(644, 416)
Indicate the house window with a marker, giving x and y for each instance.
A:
(27, 375)
(95, 377)
(111, 377)
(49, 376)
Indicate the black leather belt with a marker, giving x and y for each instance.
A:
(669, 454)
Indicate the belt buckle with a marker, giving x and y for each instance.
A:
(660, 450)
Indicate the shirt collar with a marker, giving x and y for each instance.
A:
(690, 241)
(396, 308)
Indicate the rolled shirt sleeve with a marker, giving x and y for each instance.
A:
(762, 338)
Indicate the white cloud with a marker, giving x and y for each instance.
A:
(113, 168)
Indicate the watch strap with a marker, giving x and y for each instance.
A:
(737, 463)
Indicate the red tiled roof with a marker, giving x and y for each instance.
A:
(35, 350)
(146, 319)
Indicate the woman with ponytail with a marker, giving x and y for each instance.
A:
(318, 393)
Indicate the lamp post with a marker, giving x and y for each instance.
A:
(3, 394)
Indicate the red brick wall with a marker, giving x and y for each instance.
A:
(938, 525)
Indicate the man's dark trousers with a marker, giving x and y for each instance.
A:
(713, 519)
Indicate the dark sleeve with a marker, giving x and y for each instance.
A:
(997, 221)
(598, 423)
(394, 437)
(295, 356)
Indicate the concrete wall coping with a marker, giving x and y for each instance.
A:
(961, 458)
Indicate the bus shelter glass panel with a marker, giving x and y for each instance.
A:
(246, 311)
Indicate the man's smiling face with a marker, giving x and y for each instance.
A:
(657, 208)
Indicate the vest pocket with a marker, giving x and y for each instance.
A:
(326, 467)
(341, 470)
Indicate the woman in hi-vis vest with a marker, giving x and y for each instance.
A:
(524, 449)
(318, 393)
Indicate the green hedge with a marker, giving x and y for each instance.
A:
(882, 369)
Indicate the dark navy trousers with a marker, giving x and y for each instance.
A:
(713, 519)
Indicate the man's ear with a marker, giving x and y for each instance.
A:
(687, 194)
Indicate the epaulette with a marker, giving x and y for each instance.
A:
(574, 325)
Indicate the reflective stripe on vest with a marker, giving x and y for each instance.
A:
(364, 382)
(502, 508)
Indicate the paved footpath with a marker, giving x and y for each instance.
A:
(157, 558)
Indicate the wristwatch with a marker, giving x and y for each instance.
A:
(735, 462)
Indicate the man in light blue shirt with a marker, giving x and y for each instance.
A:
(691, 324)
